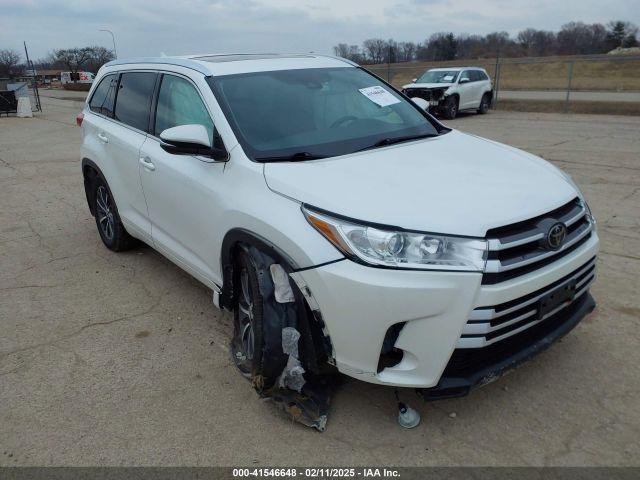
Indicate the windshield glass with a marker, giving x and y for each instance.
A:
(438, 76)
(311, 113)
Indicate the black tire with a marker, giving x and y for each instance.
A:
(485, 104)
(450, 108)
(248, 314)
(112, 232)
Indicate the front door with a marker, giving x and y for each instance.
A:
(182, 191)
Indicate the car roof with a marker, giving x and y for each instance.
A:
(230, 63)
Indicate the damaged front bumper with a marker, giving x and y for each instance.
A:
(435, 96)
(360, 304)
(472, 368)
(421, 315)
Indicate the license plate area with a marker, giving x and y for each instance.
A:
(556, 297)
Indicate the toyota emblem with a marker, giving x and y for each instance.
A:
(556, 236)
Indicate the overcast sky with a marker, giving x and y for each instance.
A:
(179, 27)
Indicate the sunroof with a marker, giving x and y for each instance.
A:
(247, 56)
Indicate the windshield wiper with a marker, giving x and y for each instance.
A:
(294, 157)
(393, 140)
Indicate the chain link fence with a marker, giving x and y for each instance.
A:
(606, 83)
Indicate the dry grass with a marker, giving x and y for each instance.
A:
(548, 73)
(558, 106)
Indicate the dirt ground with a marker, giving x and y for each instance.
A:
(604, 73)
(121, 359)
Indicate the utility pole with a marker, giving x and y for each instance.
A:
(496, 76)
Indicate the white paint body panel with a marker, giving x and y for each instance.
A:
(456, 184)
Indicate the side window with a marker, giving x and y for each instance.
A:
(104, 95)
(482, 75)
(134, 99)
(179, 103)
(465, 75)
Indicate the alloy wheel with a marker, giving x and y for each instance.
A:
(104, 212)
(246, 316)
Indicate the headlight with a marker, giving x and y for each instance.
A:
(400, 249)
(590, 216)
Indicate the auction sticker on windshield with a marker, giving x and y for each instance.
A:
(379, 95)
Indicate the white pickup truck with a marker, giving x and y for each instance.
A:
(452, 89)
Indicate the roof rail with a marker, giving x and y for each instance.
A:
(180, 62)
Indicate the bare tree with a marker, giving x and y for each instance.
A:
(577, 38)
(406, 51)
(98, 57)
(9, 61)
(355, 54)
(74, 59)
(374, 49)
(341, 50)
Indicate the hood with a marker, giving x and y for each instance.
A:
(428, 85)
(454, 183)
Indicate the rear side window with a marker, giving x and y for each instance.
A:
(179, 103)
(104, 96)
(482, 75)
(134, 99)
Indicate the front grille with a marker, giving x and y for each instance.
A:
(519, 248)
(468, 361)
(491, 324)
(424, 93)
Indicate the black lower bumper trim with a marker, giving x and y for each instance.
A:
(472, 368)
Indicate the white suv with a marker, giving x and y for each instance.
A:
(453, 89)
(341, 223)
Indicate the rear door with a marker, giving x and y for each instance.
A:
(125, 135)
(476, 88)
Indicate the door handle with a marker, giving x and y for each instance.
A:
(147, 163)
(103, 138)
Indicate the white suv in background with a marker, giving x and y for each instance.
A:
(453, 89)
(342, 224)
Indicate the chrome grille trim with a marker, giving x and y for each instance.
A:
(484, 328)
(490, 313)
(496, 266)
(496, 244)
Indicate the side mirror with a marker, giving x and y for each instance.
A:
(421, 102)
(464, 80)
(414, 80)
(191, 140)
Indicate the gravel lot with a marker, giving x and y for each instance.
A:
(121, 359)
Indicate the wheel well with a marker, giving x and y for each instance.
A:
(89, 173)
(233, 240)
(310, 323)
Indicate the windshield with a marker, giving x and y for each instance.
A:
(314, 113)
(439, 76)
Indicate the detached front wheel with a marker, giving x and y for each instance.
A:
(450, 108)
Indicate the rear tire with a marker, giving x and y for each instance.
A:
(110, 227)
(485, 104)
(450, 108)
